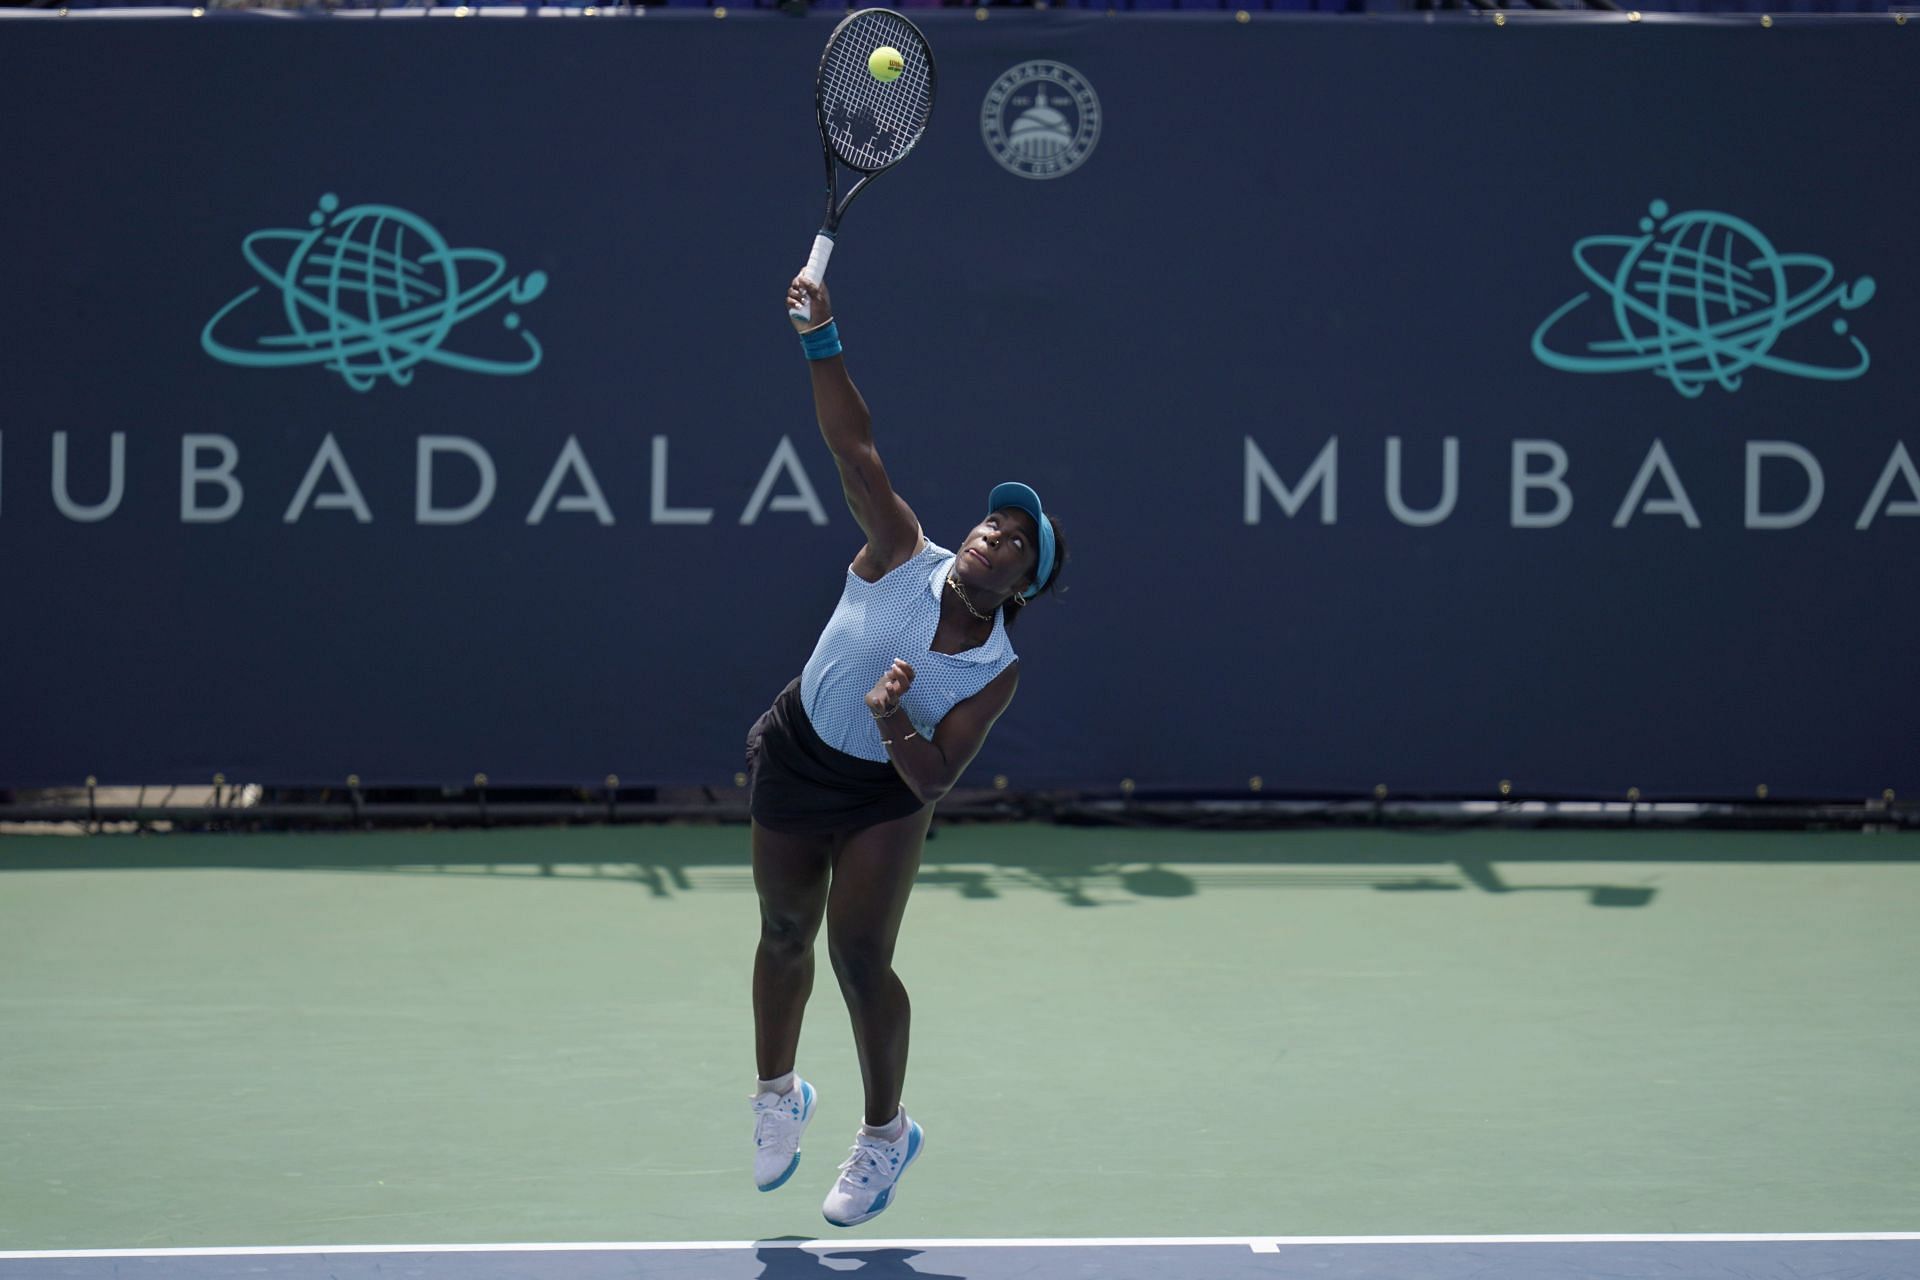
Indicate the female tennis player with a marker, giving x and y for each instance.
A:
(910, 673)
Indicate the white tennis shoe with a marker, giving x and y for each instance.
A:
(778, 1121)
(869, 1176)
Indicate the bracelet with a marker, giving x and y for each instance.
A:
(888, 742)
(821, 343)
(888, 716)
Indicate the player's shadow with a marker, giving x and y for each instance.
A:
(1081, 881)
(1077, 872)
(781, 1260)
(1077, 881)
(1480, 873)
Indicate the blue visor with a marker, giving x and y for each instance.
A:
(1022, 498)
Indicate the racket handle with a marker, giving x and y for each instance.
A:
(815, 271)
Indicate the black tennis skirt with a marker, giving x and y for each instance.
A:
(800, 785)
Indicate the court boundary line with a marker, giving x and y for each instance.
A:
(1258, 1244)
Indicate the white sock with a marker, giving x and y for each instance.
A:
(888, 1132)
(780, 1084)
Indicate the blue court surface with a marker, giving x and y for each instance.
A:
(1888, 1256)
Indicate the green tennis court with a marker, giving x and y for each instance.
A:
(544, 1035)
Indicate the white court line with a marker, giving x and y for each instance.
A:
(1259, 1244)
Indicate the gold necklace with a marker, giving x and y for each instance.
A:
(959, 591)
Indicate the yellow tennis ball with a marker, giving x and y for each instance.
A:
(886, 64)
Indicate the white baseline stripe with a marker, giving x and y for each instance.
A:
(1259, 1244)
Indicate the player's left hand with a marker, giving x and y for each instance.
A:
(884, 698)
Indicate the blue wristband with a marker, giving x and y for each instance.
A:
(821, 343)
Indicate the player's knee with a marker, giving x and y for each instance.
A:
(787, 938)
(862, 962)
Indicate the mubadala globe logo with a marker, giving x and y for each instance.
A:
(1041, 119)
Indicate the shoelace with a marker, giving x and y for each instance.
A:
(865, 1154)
(767, 1127)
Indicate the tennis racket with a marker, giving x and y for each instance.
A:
(866, 124)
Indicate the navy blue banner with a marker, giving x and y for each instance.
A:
(1426, 405)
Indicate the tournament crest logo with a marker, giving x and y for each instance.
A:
(1040, 119)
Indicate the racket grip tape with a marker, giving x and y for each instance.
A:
(815, 271)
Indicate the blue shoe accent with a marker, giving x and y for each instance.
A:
(913, 1147)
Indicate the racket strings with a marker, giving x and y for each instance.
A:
(873, 123)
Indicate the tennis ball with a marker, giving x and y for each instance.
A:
(886, 64)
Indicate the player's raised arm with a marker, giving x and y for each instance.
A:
(892, 530)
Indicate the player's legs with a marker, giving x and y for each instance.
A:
(872, 876)
(790, 872)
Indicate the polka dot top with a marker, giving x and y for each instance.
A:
(877, 622)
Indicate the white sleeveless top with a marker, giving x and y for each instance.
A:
(876, 622)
